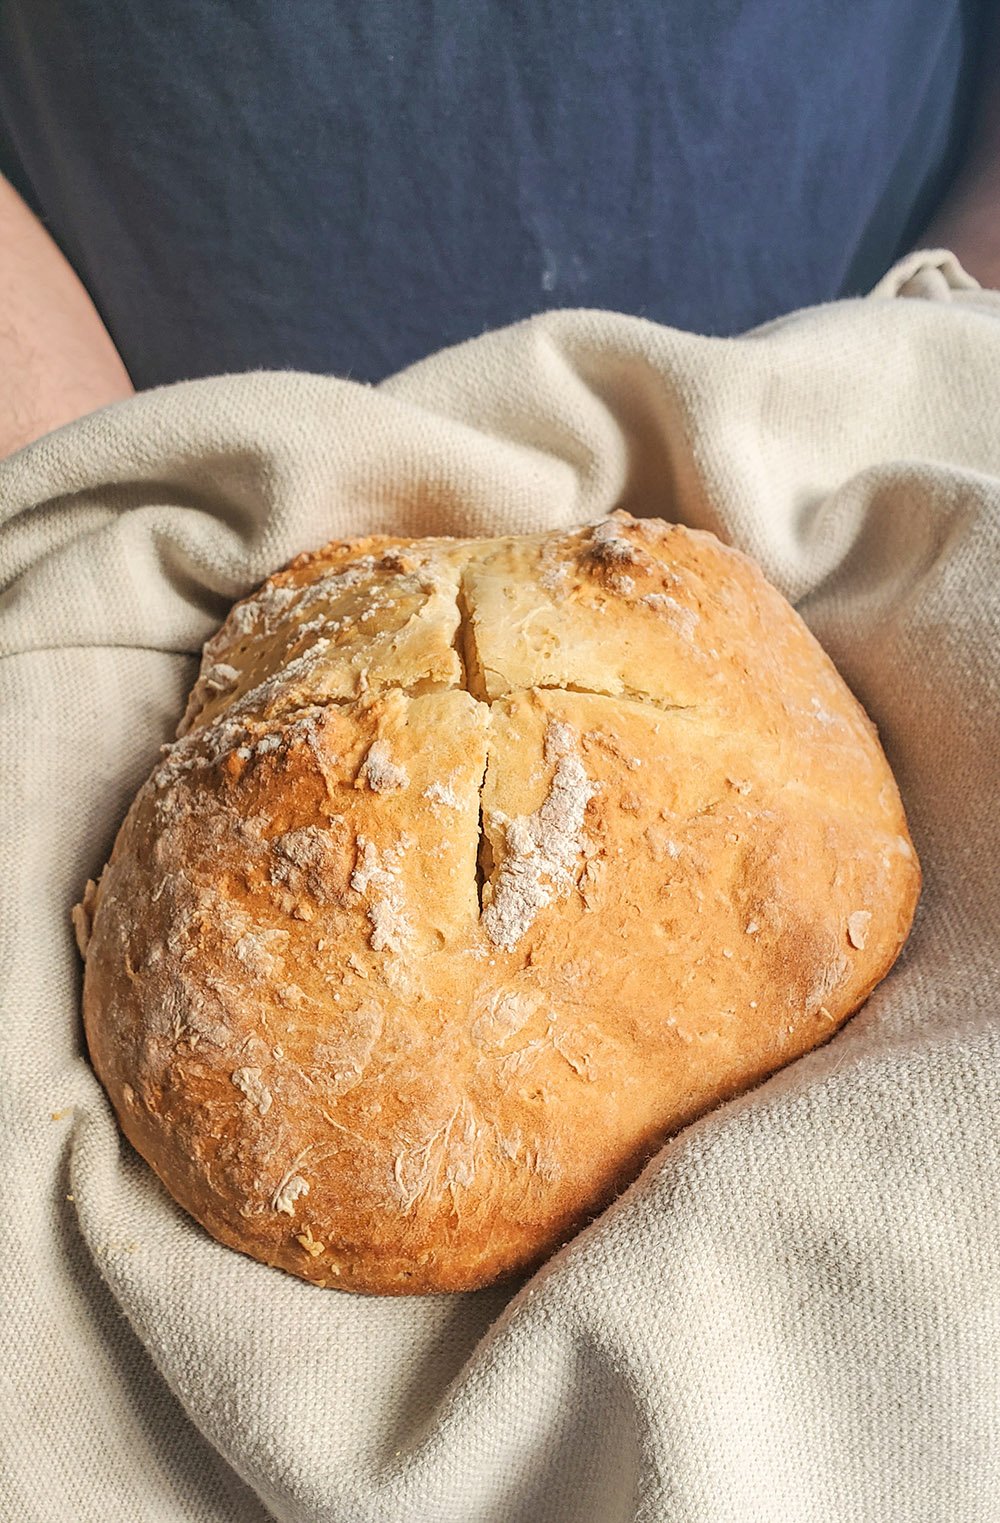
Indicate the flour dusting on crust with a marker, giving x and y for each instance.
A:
(610, 546)
(443, 793)
(249, 1081)
(685, 619)
(288, 1192)
(541, 848)
(377, 877)
(380, 772)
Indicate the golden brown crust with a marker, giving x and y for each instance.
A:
(349, 1051)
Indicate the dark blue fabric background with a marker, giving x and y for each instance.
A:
(346, 187)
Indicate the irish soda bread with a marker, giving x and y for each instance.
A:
(480, 868)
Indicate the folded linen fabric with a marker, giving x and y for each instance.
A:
(794, 1313)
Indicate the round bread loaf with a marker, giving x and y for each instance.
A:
(480, 868)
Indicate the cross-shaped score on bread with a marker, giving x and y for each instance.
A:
(480, 868)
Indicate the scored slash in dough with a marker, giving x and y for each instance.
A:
(478, 869)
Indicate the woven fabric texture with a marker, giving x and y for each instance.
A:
(794, 1314)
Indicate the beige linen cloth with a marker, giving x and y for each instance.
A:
(795, 1313)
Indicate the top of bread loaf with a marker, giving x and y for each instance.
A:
(479, 868)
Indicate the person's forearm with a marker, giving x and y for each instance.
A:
(968, 219)
(57, 360)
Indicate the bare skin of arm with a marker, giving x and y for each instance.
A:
(968, 219)
(57, 360)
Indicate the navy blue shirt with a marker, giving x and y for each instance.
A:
(347, 187)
